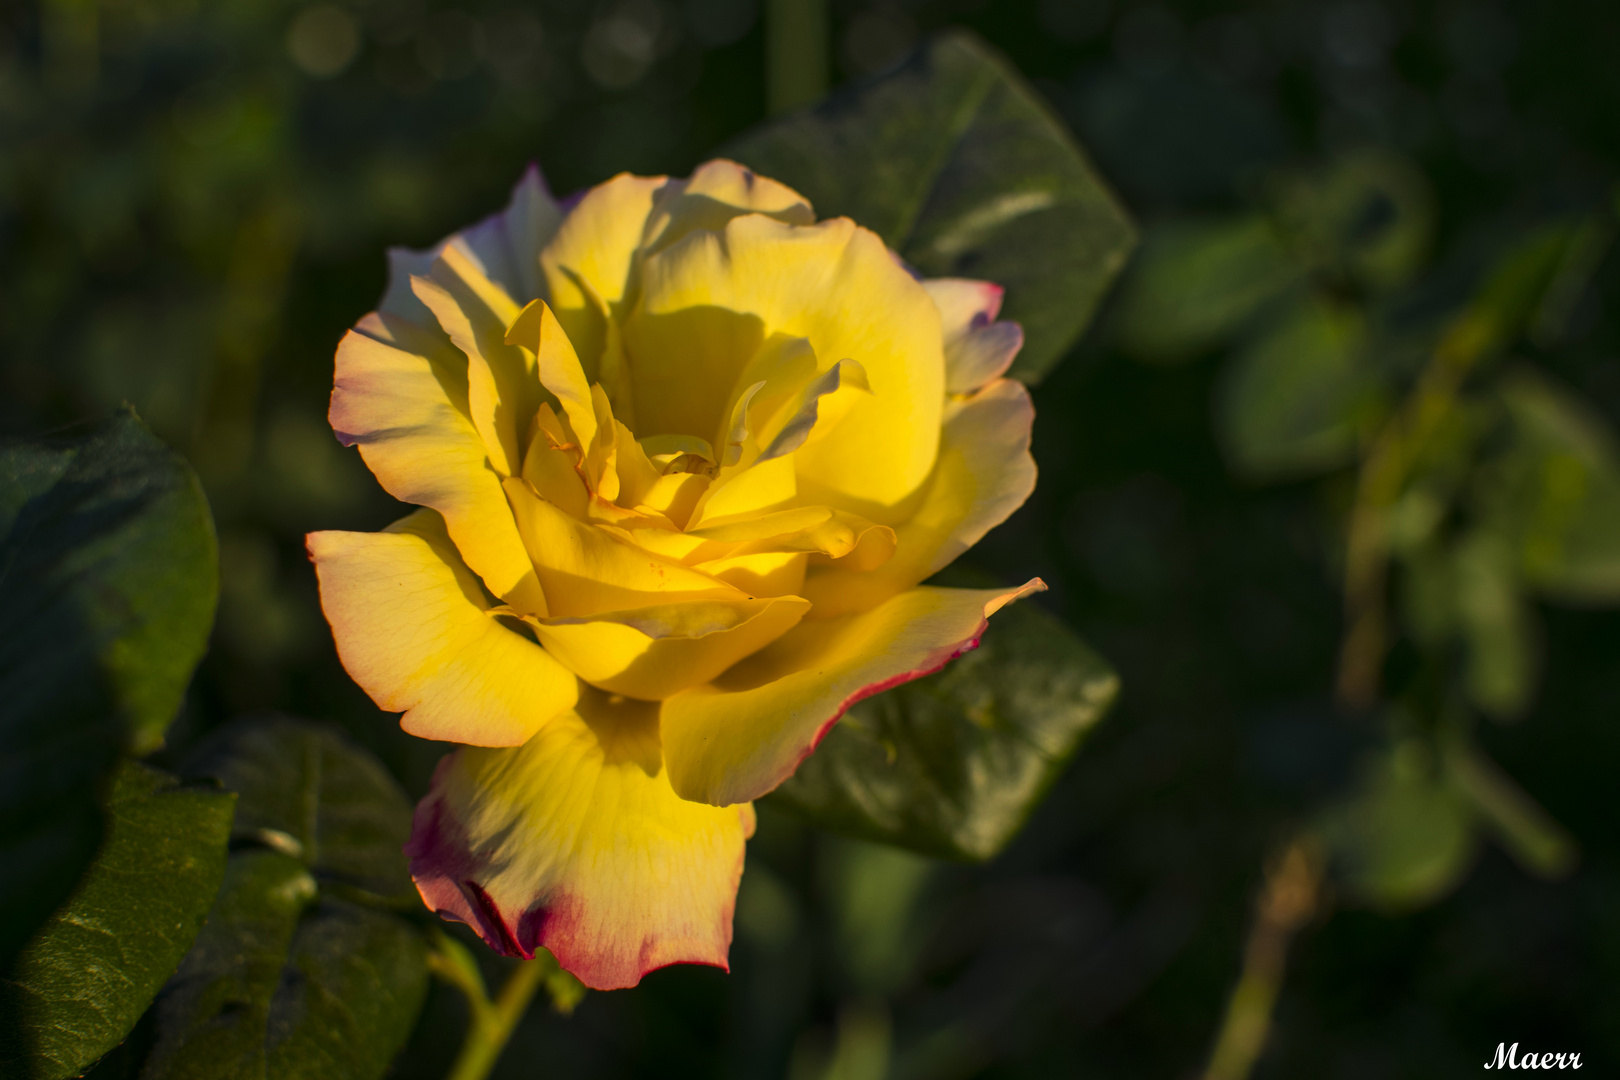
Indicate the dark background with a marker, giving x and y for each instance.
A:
(194, 200)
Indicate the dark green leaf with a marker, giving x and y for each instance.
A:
(1291, 403)
(952, 764)
(108, 578)
(1405, 837)
(287, 983)
(307, 791)
(1556, 493)
(304, 971)
(93, 968)
(1197, 283)
(964, 171)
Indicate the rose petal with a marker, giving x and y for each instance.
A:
(983, 474)
(736, 738)
(653, 652)
(400, 394)
(411, 628)
(708, 303)
(576, 842)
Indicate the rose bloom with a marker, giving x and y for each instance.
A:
(683, 455)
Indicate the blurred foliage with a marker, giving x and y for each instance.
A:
(193, 200)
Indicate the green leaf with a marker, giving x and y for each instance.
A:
(1196, 283)
(95, 965)
(1556, 492)
(1405, 836)
(962, 169)
(1292, 402)
(1503, 650)
(304, 971)
(108, 579)
(1368, 216)
(308, 792)
(952, 764)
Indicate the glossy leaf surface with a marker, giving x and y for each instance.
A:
(956, 162)
(95, 965)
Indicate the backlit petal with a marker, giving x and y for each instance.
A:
(736, 738)
(411, 628)
(977, 348)
(576, 842)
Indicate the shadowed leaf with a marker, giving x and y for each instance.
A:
(304, 971)
(108, 579)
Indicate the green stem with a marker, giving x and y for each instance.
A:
(489, 1023)
(1289, 899)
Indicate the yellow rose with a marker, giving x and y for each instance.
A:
(684, 455)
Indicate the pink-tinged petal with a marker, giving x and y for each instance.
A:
(984, 473)
(977, 348)
(506, 247)
(400, 394)
(738, 737)
(412, 628)
(576, 842)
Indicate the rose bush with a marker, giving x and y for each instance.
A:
(683, 456)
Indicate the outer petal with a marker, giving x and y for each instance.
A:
(400, 394)
(736, 738)
(984, 473)
(576, 842)
(977, 348)
(506, 245)
(412, 629)
(651, 653)
(711, 299)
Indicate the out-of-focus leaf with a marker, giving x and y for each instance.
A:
(108, 578)
(1405, 836)
(1556, 492)
(1196, 283)
(1497, 627)
(303, 972)
(964, 171)
(1369, 215)
(952, 764)
(1292, 403)
(94, 966)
